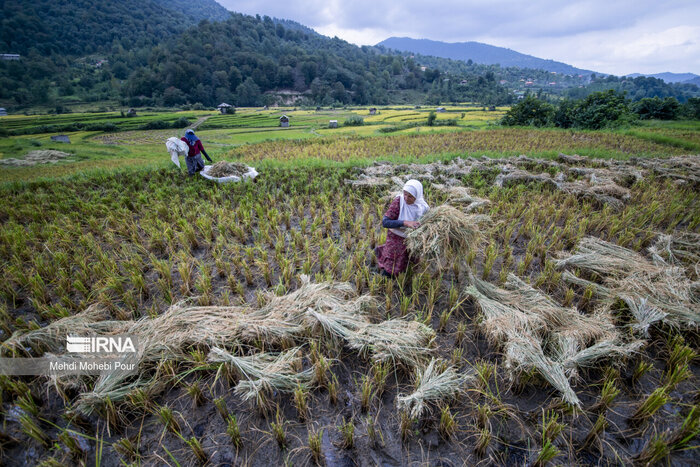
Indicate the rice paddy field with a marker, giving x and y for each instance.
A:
(550, 316)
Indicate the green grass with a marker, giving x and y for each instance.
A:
(63, 123)
(254, 136)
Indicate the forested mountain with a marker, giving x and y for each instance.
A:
(480, 53)
(81, 27)
(144, 54)
(197, 10)
(669, 77)
(241, 59)
(637, 88)
(179, 52)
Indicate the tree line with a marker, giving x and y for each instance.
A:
(601, 109)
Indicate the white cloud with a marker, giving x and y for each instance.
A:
(618, 37)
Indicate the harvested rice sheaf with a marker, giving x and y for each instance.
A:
(331, 307)
(227, 169)
(435, 384)
(442, 230)
(537, 333)
(654, 291)
(264, 372)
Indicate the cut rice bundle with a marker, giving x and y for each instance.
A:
(653, 291)
(265, 372)
(502, 321)
(434, 385)
(524, 353)
(521, 319)
(52, 337)
(607, 349)
(558, 318)
(458, 195)
(604, 258)
(332, 306)
(397, 341)
(442, 230)
(227, 169)
(645, 315)
(677, 249)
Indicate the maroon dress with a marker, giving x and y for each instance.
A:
(392, 256)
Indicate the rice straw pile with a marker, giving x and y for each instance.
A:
(227, 169)
(461, 195)
(678, 250)
(524, 322)
(331, 307)
(263, 373)
(654, 291)
(435, 383)
(52, 338)
(442, 230)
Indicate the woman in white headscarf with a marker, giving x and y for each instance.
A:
(404, 213)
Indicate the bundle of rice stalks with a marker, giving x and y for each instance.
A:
(501, 321)
(288, 316)
(514, 177)
(524, 309)
(677, 250)
(644, 314)
(52, 338)
(608, 192)
(227, 169)
(435, 384)
(524, 353)
(653, 291)
(522, 320)
(262, 374)
(572, 357)
(442, 230)
(601, 257)
(339, 324)
(562, 319)
(396, 341)
(461, 195)
(667, 290)
(364, 180)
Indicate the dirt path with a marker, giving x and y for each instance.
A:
(199, 122)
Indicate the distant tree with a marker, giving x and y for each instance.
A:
(248, 93)
(691, 109)
(529, 112)
(653, 107)
(173, 96)
(431, 118)
(339, 93)
(564, 116)
(602, 109)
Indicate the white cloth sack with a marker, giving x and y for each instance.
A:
(176, 148)
(250, 174)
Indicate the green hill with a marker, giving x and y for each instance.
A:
(142, 53)
(81, 27)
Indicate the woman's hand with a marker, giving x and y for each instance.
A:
(411, 224)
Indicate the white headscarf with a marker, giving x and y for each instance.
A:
(412, 212)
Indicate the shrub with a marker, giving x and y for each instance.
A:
(181, 122)
(354, 120)
(602, 109)
(155, 125)
(529, 112)
(654, 107)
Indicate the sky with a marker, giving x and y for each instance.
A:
(608, 36)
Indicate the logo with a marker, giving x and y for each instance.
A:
(112, 344)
